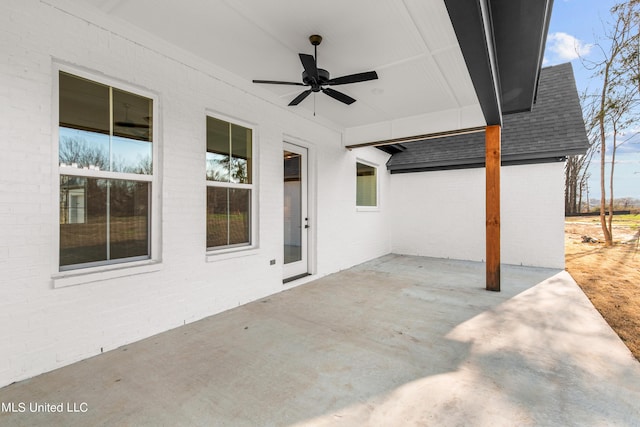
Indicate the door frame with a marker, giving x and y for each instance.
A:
(293, 144)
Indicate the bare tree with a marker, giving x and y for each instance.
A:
(619, 118)
(87, 154)
(81, 152)
(617, 98)
(577, 167)
(577, 175)
(575, 178)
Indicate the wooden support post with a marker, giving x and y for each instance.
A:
(493, 157)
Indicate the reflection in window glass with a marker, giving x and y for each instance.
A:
(218, 155)
(131, 145)
(87, 205)
(366, 185)
(131, 156)
(128, 219)
(132, 116)
(217, 216)
(292, 207)
(228, 216)
(239, 203)
(228, 152)
(87, 137)
(83, 149)
(82, 241)
(107, 132)
(84, 105)
(217, 167)
(240, 154)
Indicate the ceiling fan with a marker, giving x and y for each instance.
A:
(318, 78)
(127, 123)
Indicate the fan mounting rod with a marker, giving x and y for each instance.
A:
(315, 41)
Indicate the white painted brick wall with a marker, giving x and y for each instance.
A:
(44, 328)
(442, 214)
(439, 214)
(532, 202)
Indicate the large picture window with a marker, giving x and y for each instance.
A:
(105, 160)
(366, 186)
(229, 184)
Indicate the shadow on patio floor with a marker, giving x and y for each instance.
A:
(396, 341)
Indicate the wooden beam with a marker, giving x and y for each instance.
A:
(417, 137)
(493, 157)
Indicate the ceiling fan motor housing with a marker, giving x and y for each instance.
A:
(323, 78)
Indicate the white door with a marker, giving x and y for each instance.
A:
(296, 221)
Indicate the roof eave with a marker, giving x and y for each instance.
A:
(479, 162)
(472, 25)
(502, 42)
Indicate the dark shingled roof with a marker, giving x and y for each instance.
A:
(553, 129)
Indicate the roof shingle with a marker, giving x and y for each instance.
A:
(553, 129)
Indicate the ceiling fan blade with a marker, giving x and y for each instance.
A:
(309, 64)
(132, 125)
(354, 78)
(275, 82)
(298, 99)
(339, 96)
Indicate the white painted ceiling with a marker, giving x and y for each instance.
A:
(409, 43)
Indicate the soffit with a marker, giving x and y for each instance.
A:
(411, 44)
(520, 31)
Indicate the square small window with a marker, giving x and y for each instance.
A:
(366, 185)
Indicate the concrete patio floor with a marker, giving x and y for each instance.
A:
(397, 341)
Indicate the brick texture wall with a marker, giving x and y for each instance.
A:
(447, 214)
(43, 326)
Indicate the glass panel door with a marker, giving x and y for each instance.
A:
(296, 222)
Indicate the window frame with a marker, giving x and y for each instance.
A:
(376, 168)
(92, 271)
(214, 252)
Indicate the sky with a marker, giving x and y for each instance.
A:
(576, 27)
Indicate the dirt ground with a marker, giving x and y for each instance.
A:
(610, 277)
